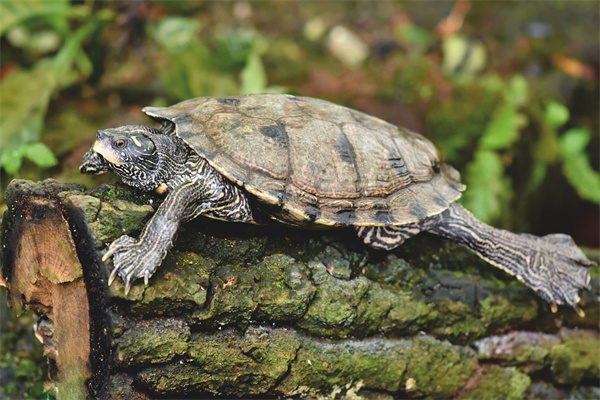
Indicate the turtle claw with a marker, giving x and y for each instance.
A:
(127, 286)
(109, 253)
(132, 260)
(112, 276)
(579, 311)
(576, 308)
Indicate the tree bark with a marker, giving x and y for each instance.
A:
(241, 310)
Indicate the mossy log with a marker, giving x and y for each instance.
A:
(241, 310)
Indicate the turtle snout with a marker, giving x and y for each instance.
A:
(100, 135)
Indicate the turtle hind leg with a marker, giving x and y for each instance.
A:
(387, 237)
(552, 265)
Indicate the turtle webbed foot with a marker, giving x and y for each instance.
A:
(559, 270)
(132, 260)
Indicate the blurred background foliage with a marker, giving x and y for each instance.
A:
(507, 91)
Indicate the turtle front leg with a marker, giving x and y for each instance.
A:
(139, 258)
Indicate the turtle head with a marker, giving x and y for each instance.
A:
(137, 154)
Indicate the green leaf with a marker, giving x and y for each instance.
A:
(454, 49)
(556, 114)
(574, 141)
(415, 36)
(488, 190)
(576, 165)
(503, 129)
(507, 121)
(253, 76)
(234, 47)
(462, 57)
(14, 12)
(186, 77)
(190, 70)
(40, 154)
(22, 112)
(517, 91)
(11, 160)
(71, 51)
(174, 34)
(537, 175)
(24, 95)
(38, 42)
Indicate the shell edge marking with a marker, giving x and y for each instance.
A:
(263, 196)
(151, 111)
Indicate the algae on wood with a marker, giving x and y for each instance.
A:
(241, 310)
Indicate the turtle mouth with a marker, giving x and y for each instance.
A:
(106, 153)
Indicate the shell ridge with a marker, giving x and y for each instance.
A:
(399, 151)
(353, 158)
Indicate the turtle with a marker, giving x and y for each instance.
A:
(309, 163)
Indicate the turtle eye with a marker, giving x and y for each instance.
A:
(119, 143)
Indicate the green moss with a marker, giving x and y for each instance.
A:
(394, 271)
(458, 322)
(333, 309)
(232, 244)
(118, 191)
(283, 289)
(229, 362)
(232, 301)
(47, 188)
(507, 310)
(340, 262)
(519, 383)
(336, 294)
(152, 341)
(407, 366)
(322, 365)
(500, 383)
(108, 220)
(532, 357)
(438, 368)
(408, 315)
(180, 378)
(180, 284)
(576, 358)
(381, 310)
(570, 356)
(89, 205)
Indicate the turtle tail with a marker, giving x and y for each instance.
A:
(551, 265)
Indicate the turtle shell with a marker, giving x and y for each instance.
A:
(312, 162)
